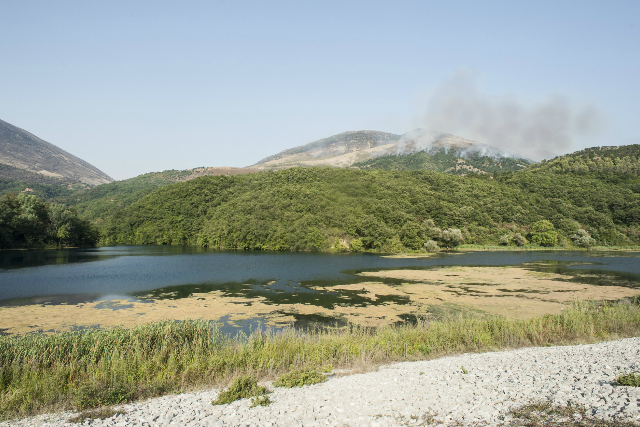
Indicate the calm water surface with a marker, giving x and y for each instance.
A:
(83, 275)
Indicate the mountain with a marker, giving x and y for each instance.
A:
(418, 149)
(23, 150)
(339, 150)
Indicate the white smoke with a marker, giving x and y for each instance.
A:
(535, 131)
(431, 142)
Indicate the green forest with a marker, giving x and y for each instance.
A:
(25, 221)
(446, 161)
(585, 199)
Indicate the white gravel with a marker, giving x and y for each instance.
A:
(495, 383)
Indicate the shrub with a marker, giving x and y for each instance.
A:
(298, 378)
(99, 394)
(631, 379)
(242, 388)
(504, 239)
(260, 401)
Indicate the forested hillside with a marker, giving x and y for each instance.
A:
(320, 208)
(446, 161)
(601, 162)
(591, 197)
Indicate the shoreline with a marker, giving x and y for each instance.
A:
(408, 254)
(471, 389)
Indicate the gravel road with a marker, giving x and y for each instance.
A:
(495, 383)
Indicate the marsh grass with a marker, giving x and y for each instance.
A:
(81, 370)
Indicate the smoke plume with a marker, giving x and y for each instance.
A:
(535, 131)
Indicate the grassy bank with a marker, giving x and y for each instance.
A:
(101, 367)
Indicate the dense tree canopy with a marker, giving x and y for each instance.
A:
(25, 221)
(313, 208)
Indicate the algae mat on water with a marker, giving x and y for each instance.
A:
(389, 297)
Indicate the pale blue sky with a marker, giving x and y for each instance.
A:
(135, 87)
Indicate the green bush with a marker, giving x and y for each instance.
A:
(260, 401)
(100, 394)
(298, 378)
(631, 379)
(242, 388)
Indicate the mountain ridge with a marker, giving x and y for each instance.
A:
(24, 150)
(356, 148)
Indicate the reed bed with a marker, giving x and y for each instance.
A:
(94, 368)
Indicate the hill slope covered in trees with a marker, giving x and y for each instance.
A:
(594, 191)
(445, 161)
(319, 208)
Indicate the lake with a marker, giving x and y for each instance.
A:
(45, 290)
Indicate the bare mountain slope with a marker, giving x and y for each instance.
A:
(358, 147)
(23, 150)
(340, 150)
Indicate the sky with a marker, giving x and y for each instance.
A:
(144, 86)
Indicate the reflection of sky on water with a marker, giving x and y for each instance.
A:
(150, 272)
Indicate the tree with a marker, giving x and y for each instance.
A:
(504, 239)
(60, 218)
(583, 239)
(431, 246)
(452, 237)
(30, 223)
(519, 240)
(356, 245)
(25, 221)
(412, 235)
(544, 234)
